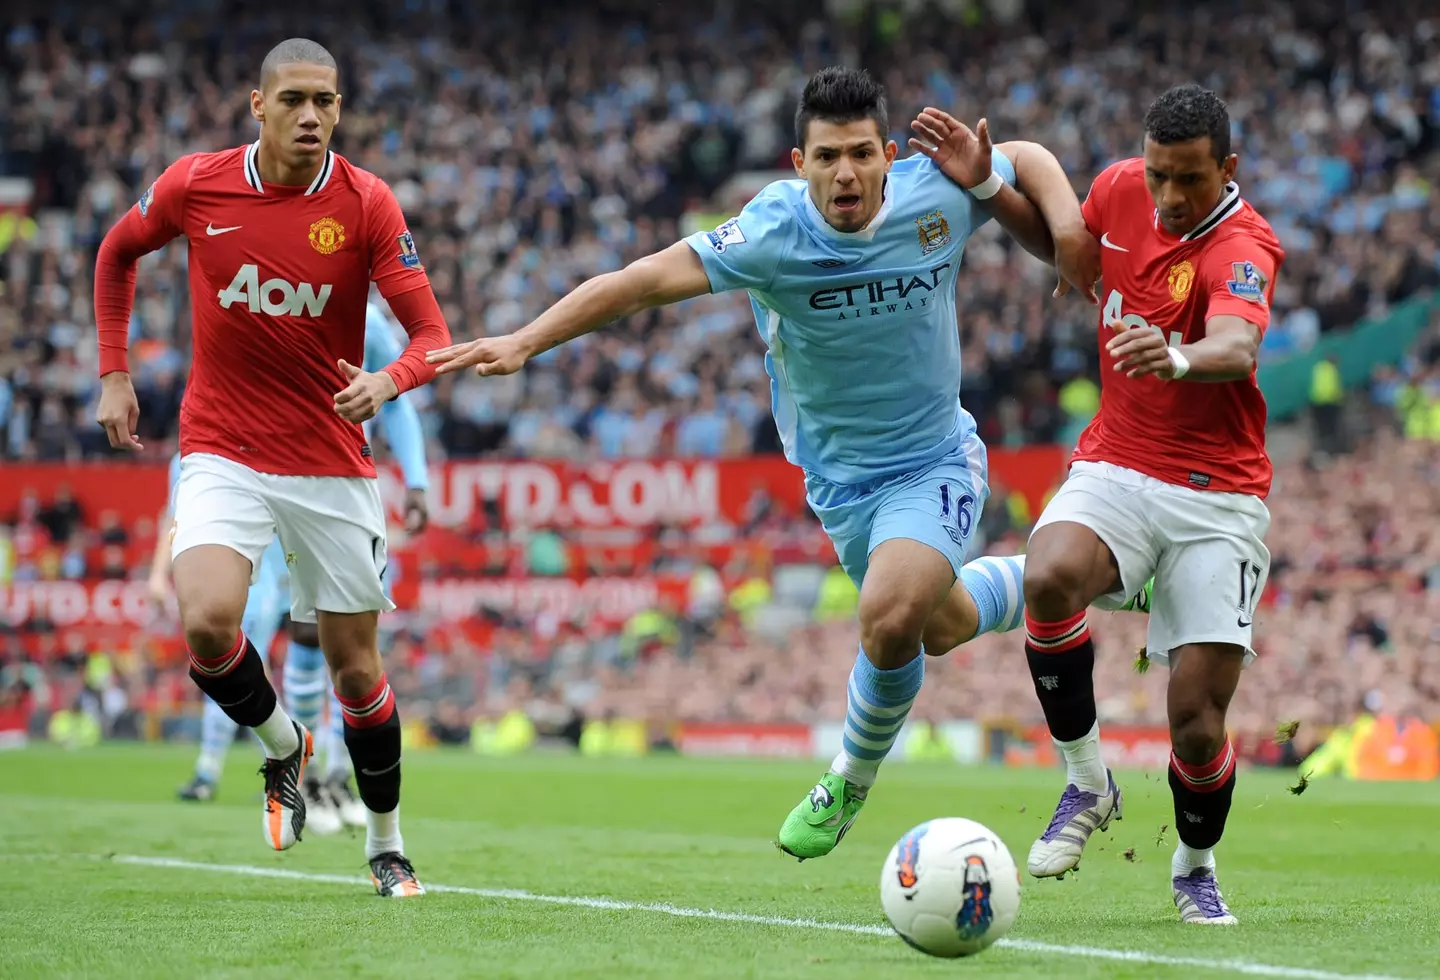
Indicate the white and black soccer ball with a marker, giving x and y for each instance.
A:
(950, 887)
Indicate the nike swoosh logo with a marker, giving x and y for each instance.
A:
(212, 230)
(370, 772)
(1105, 240)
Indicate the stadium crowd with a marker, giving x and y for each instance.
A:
(533, 147)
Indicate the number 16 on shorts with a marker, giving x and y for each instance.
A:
(957, 510)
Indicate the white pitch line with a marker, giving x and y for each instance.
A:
(716, 915)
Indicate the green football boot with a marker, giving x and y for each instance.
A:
(1141, 601)
(818, 822)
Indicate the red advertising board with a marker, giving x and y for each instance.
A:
(530, 493)
(1124, 746)
(744, 739)
(607, 600)
(127, 603)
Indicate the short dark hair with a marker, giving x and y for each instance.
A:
(294, 51)
(1190, 112)
(841, 95)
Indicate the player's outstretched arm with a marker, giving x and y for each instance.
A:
(666, 277)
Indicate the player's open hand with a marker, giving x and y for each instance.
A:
(119, 411)
(365, 394)
(1077, 262)
(417, 511)
(961, 154)
(1139, 351)
(488, 355)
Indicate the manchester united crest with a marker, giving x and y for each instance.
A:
(934, 231)
(1182, 277)
(327, 236)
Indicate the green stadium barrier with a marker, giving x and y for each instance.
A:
(1357, 352)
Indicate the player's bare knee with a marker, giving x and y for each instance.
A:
(1197, 731)
(891, 629)
(1197, 724)
(357, 678)
(1055, 589)
(211, 628)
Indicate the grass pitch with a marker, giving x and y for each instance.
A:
(560, 867)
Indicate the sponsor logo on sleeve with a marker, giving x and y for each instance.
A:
(1248, 282)
(726, 235)
(408, 256)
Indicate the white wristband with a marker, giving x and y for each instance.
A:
(1182, 366)
(988, 187)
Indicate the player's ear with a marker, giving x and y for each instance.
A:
(1228, 168)
(797, 160)
(257, 104)
(891, 150)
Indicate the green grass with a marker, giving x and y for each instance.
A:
(1339, 881)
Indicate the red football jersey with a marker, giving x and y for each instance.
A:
(279, 279)
(1209, 436)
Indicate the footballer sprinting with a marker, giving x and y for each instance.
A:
(330, 802)
(851, 274)
(1169, 480)
(285, 238)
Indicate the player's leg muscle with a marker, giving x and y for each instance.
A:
(351, 649)
(1203, 678)
(1067, 567)
(212, 583)
(953, 623)
(988, 597)
(305, 634)
(906, 583)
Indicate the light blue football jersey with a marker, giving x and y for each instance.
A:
(399, 418)
(864, 346)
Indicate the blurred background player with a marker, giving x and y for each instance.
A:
(330, 798)
(851, 273)
(330, 801)
(1169, 479)
(285, 237)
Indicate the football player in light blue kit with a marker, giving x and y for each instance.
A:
(851, 274)
(331, 800)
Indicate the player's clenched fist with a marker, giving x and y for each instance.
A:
(488, 355)
(119, 412)
(1139, 351)
(365, 394)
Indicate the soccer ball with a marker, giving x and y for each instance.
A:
(950, 887)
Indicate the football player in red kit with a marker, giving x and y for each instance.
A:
(1169, 480)
(285, 237)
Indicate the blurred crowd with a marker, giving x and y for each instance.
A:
(533, 146)
(1348, 623)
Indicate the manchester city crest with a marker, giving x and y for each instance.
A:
(934, 231)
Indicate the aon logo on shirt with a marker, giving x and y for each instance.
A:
(273, 296)
(1115, 310)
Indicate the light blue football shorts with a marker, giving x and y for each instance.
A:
(938, 505)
